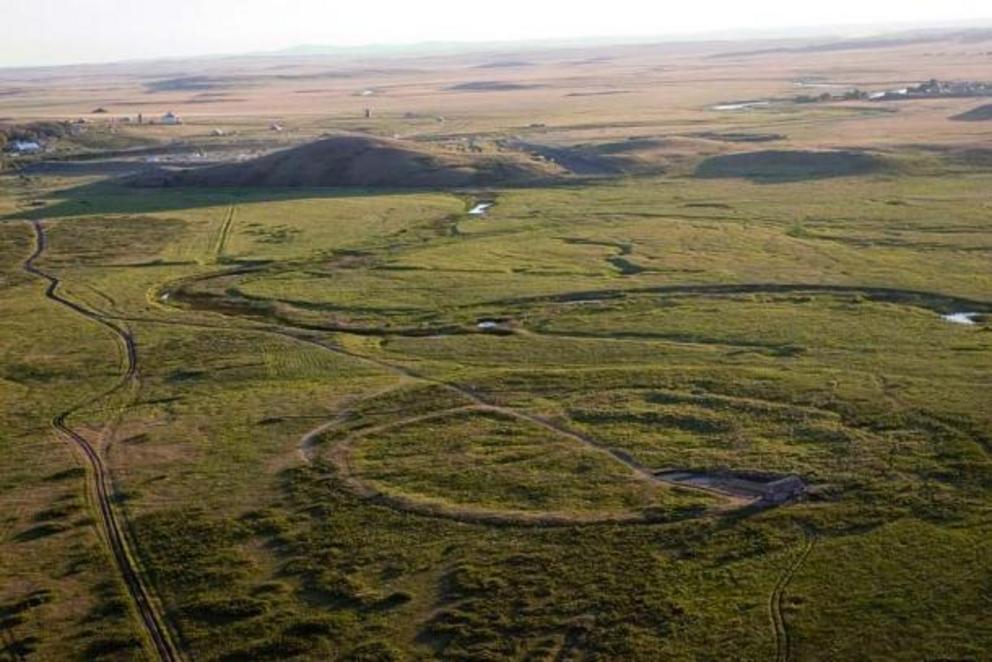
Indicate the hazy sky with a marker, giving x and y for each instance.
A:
(65, 31)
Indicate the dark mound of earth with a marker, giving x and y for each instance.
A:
(980, 114)
(356, 161)
(786, 165)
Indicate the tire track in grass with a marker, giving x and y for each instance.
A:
(780, 628)
(225, 231)
(307, 445)
(101, 488)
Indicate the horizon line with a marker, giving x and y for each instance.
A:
(398, 48)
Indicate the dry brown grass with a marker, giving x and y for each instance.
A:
(623, 91)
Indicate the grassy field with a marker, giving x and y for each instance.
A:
(318, 452)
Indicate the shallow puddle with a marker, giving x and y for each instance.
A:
(744, 105)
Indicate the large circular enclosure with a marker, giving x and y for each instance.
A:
(480, 462)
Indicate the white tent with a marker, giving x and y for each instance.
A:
(25, 146)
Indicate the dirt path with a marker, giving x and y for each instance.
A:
(780, 628)
(225, 230)
(306, 447)
(101, 487)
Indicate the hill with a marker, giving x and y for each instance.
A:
(357, 161)
(979, 114)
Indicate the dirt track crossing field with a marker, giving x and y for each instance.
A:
(101, 488)
(780, 629)
(225, 230)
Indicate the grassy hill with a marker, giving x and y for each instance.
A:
(979, 114)
(359, 161)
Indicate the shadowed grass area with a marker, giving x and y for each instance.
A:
(787, 166)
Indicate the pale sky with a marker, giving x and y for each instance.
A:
(39, 32)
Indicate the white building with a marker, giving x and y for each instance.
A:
(25, 147)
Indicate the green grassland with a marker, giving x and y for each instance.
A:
(323, 457)
(60, 597)
(450, 457)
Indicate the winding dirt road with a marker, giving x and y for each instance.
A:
(101, 487)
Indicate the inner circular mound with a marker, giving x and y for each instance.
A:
(485, 461)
